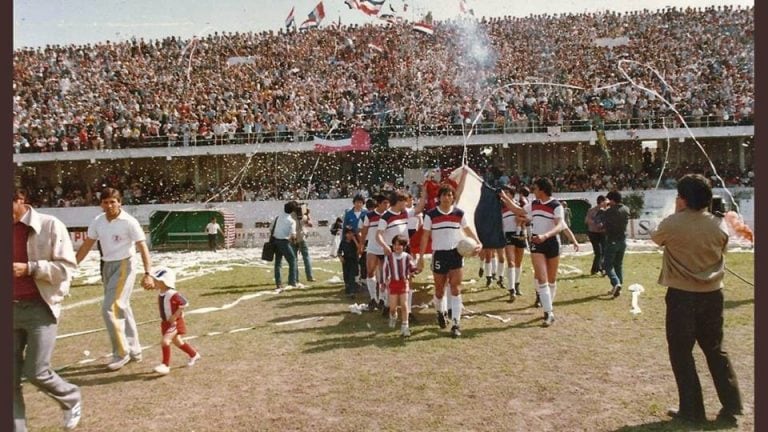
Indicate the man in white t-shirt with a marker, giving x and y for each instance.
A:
(120, 236)
(212, 229)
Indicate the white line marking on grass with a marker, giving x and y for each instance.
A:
(240, 330)
(301, 320)
(504, 320)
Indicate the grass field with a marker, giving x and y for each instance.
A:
(300, 361)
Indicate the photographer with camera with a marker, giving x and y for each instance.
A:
(693, 267)
(299, 244)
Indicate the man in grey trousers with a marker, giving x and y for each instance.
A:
(120, 236)
(43, 265)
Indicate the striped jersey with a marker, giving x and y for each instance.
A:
(398, 267)
(509, 220)
(446, 228)
(394, 224)
(169, 302)
(371, 221)
(544, 215)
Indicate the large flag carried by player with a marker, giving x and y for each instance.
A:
(477, 198)
(359, 141)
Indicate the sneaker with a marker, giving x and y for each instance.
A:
(72, 416)
(194, 359)
(480, 272)
(455, 331)
(441, 320)
(405, 332)
(549, 319)
(512, 296)
(517, 289)
(616, 291)
(137, 358)
(384, 310)
(392, 321)
(311, 280)
(500, 282)
(300, 285)
(119, 363)
(488, 281)
(381, 305)
(162, 369)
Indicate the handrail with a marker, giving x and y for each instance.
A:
(527, 125)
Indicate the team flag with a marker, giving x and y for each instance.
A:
(352, 4)
(359, 141)
(370, 7)
(424, 28)
(291, 20)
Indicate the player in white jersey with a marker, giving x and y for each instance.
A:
(394, 223)
(546, 216)
(374, 253)
(446, 225)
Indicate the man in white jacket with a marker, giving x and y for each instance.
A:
(43, 265)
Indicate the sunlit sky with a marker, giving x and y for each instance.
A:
(41, 22)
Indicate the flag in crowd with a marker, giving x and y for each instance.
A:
(371, 7)
(291, 20)
(352, 4)
(359, 141)
(314, 18)
(424, 28)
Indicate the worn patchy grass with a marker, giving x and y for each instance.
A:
(599, 368)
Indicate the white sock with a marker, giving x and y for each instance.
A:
(447, 297)
(487, 268)
(384, 294)
(494, 266)
(518, 272)
(545, 297)
(511, 278)
(409, 299)
(456, 309)
(371, 284)
(553, 290)
(439, 304)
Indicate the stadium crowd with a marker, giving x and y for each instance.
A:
(246, 87)
(150, 187)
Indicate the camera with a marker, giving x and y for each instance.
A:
(717, 206)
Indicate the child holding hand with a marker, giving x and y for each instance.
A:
(172, 325)
(399, 268)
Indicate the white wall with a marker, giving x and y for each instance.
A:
(658, 203)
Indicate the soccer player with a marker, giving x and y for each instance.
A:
(374, 253)
(394, 223)
(546, 216)
(398, 270)
(445, 224)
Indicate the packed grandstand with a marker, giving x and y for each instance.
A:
(289, 86)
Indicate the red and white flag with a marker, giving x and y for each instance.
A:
(359, 141)
(424, 28)
(291, 20)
